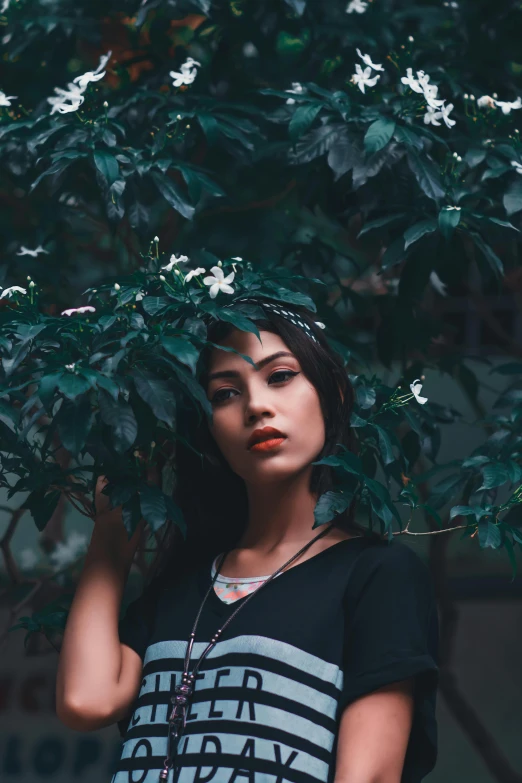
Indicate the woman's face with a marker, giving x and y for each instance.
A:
(277, 394)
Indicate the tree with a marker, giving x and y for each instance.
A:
(339, 147)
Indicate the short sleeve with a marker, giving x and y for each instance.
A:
(137, 621)
(391, 634)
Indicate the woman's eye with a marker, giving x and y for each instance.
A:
(282, 372)
(278, 379)
(216, 398)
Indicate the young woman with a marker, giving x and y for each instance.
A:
(263, 649)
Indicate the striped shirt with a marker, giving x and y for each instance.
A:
(269, 696)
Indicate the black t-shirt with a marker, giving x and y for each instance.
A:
(268, 697)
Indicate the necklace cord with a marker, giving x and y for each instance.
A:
(185, 689)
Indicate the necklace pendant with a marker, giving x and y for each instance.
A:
(178, 716)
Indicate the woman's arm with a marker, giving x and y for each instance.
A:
(98, 677)
(373, 735)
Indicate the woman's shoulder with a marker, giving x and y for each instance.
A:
(386, 561)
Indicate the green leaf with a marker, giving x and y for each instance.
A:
(190, 384)
(494, 475)
(72, 384)
(378, 134)
(153, 507)
(342, 155)
(182, 349)
(158, 395)
(418, 230)
(47, 387)
(366, 396)
(302, 119)
(74, 425)
(489, 534)
(489, 254)
(107, 165)
(512, 198)
(329, 505)
(385, 445)
(314, 144)
(240, 321)
(42, 504)
(370, 225)
(171, 192)
(154, 304)
(119, 416)
(408, 137)
(448, 221)
(503, 223)
(394, 254)
(427, 175)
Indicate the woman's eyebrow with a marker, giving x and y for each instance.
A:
(259, 366)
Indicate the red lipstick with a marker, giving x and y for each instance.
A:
(265, 439)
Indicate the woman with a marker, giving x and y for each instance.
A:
(327, 670)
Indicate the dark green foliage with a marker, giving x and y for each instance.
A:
(275, 154)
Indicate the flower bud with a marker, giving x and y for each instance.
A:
(117, 286)
(177, 272)
(105, 105)
(162, 277)
(32, 284)
(156, 239)
(220, 263)
(411, 38)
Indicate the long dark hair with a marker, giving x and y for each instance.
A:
(212, 497)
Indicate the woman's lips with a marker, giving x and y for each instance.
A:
(267, 445)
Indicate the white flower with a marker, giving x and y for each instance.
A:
(367, 60)
(357, 6)
(437, 283)
(445, 110)
(421, 85)
(416, 387)
(517, 166)
(218, 282)
(5, 6)
(10, 291)
(363, 78)
(486, 100)
(236, 258)
(194, 272)
(24, 251)
(430, 93)
(73, 94)
(297, 89)
(188, 73)
(5, 100)
(432, 116)
(70, 366)
(506, 106)
(28, 558)
(320, 324)
(93, 76)
(249, 50)
(411, 81)
(65, 553)
(175, 260)
(85, 309)
(140, 295)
